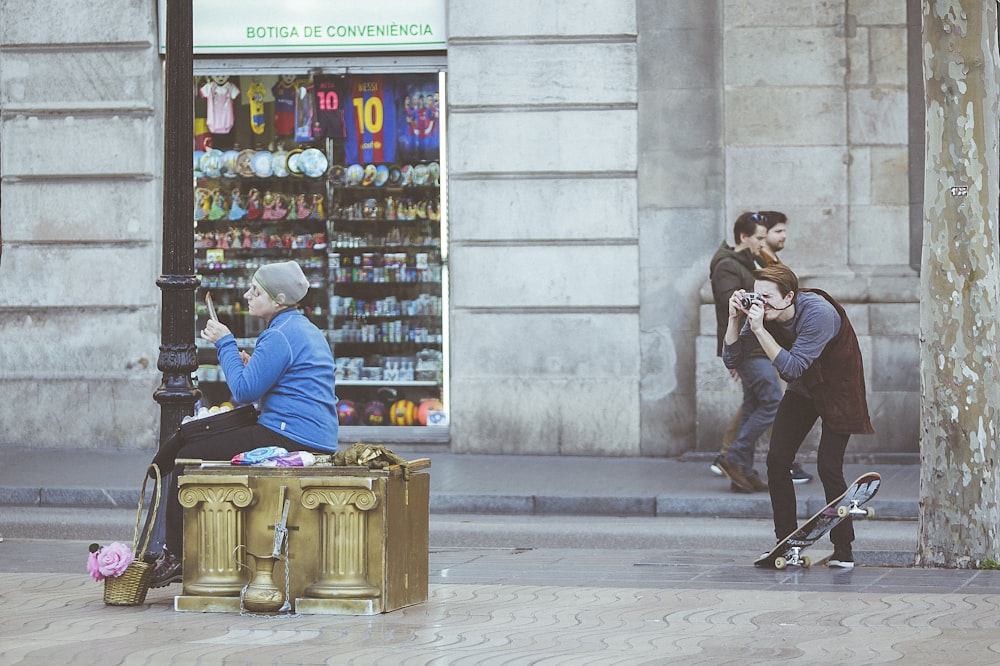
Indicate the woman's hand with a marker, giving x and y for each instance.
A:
(214, 331)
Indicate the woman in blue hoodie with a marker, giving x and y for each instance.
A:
(290, 376)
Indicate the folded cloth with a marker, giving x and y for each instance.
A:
(259, 455)
(293, 459)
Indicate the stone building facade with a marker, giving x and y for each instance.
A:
(598, 154)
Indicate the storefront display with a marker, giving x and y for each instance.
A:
(342, 173)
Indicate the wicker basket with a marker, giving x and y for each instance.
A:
(131, 587)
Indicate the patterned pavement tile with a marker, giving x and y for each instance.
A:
(50, 619)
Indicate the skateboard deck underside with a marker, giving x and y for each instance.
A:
(825, 520)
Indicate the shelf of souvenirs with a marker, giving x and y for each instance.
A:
(389, 209)
(314, 266)
(233, 205)
(392, 238)
(392, 332)
(246, 241)
(423, 366)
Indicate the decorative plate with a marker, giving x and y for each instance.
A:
(261, 164)
(313, 162)
(243, 163)
(420, 174)
(381, 175)
(369, 175)
(279, 165)
(407, 175)
(355, 173)
(211, 163)
(394, 176)
(229, 163)
(293, 159)
(435, 173)
(337, 174)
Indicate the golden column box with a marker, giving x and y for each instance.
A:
(356, 537)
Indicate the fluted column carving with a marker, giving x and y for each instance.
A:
(343, 542)
(212, 532)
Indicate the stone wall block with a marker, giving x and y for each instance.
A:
(879, 235)
(542, 208)
(92, 211)
(83, 413)
(895, 319)
(545, 276)
(74, 22)
(878, 116)
(515, 344)
(773, 116)
(79, 276)
(808, 57)
(587, 73)
(521, 18)
(804, 176)
(107, 343)
(580, 140)
(64, 81)
(799, 13)
(69, 145)
(557, 416)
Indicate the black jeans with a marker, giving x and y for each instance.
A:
(795, 418)
(222, 447)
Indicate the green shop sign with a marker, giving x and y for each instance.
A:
(313, 26)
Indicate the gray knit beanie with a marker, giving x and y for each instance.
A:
(284, 282)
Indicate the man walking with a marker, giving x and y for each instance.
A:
(731, 270)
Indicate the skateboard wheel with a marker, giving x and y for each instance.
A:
(780, 563)
(842, 511)
(806, 563)
(870, 512)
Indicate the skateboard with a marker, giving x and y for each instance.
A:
(788, 552)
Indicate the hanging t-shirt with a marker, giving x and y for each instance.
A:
(303, 114)
(329, 92)
(219, 100)
(255, 95)
(371, 121)
(284, 107)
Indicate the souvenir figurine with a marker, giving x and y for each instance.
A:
(218, 209)
(317, 208)
(247, 240)
(236, 209)
(302, 209)
(202, 203)
(254, 208)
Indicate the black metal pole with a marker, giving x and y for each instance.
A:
(178, 355)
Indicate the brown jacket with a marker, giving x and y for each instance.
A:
(836, 379)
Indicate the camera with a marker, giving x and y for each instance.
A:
(749, 298)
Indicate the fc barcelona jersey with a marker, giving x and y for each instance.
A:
(371, 121)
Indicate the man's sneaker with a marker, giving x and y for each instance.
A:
(799, 475)
(738, 489)
(736, 475)
(714, 467)
(842, 559)
(167, 570)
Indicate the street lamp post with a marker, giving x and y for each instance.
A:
(178, 355)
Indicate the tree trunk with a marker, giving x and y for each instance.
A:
(960, 289)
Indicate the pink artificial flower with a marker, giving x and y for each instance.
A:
(112, 560)
(93, 568)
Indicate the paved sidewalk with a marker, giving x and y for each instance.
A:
(547, 606)
(477, 484)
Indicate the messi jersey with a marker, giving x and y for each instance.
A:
(328, 115)
(370, 117)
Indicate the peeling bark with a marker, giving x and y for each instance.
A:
(960, 287)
